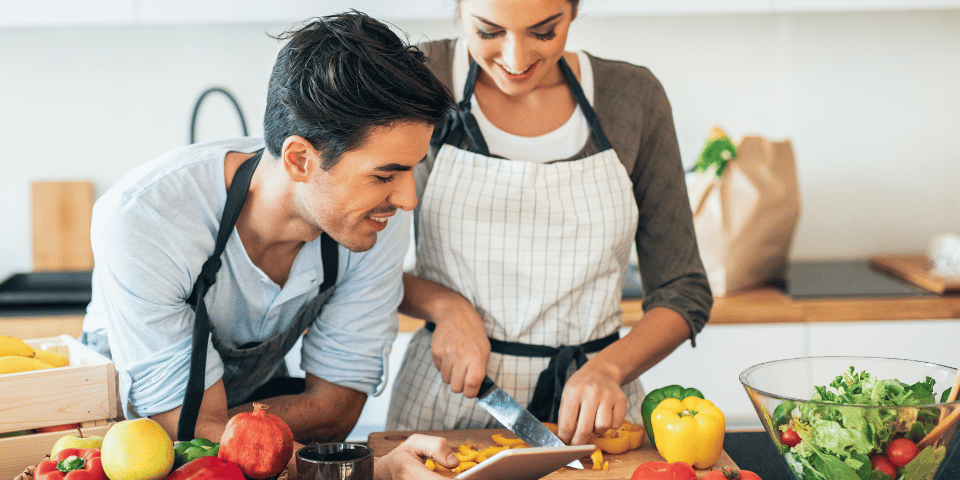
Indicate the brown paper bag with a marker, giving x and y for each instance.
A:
(745, 219)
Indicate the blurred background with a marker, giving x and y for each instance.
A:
(866, 91)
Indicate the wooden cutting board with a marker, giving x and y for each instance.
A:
(916, 270)
(621, 466)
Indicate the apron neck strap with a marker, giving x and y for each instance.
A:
(585, 107)
(473, 129)
(236, 196)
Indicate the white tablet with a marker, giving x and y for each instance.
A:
(526, 463)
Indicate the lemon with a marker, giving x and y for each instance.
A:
(136, 449)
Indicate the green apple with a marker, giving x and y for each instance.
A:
(77, 440)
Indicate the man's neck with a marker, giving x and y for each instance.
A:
(271, 233)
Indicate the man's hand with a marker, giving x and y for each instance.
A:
(406, 461)
(461, 348)
(592, 402)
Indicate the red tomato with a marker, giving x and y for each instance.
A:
(664, 471)
(727, 473)
(790, 438)
(901, 451)
(881, 464)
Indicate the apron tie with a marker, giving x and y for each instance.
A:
(545, 404)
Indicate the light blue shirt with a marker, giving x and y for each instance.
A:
(152, 232)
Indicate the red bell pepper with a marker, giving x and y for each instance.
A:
(72, 464)
(214, 468)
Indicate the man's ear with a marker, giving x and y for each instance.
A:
(300, 159)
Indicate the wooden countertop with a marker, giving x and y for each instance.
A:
(770, 305)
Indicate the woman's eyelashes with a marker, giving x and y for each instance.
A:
(545, 36)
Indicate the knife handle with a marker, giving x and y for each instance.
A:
(485, 387)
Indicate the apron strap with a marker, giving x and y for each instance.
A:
(602, 142)
(461, 116)
(545, 404)
(236, 196)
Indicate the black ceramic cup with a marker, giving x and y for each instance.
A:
(335, 461)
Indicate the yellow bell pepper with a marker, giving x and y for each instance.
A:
(689, 430)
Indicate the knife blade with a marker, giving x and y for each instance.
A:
(517, 419)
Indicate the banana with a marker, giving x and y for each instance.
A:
(50, 358)
(12, 346)
(15, 364)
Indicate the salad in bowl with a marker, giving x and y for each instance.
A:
(856, 418)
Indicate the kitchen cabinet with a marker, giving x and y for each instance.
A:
(55, 13)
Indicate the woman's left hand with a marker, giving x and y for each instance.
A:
(592, 403)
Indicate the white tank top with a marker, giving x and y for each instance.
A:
(564, 142)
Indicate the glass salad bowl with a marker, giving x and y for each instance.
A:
(857, 418)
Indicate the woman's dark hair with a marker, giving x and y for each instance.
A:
(340, 76)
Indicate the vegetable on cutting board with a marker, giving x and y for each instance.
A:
(689, 430)
(654, 398)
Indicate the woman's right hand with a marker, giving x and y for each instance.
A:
(460, 347)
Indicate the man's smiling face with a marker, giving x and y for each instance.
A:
(353, 201)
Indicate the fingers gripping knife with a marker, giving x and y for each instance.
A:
(516, 418)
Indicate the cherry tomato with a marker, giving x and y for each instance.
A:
(790, 438)
(901, 451)
(880, 463)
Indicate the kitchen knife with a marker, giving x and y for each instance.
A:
(516, 418)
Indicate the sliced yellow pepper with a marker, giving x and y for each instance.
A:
(464, 466)
(614, 441)
(499, 439)
(597, 458)
(689, 430)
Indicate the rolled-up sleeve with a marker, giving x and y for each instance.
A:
(350, 342)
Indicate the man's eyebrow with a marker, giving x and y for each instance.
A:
(538, 24)
(394, 167)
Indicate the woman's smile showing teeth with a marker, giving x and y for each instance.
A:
(517, 76)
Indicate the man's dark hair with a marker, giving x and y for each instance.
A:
(340, 76)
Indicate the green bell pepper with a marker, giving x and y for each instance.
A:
(184, 452)
(654, 398)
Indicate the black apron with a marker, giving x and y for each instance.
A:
(256, 358)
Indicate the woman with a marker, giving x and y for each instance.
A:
(530, 200)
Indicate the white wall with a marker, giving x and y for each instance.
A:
(870, 101)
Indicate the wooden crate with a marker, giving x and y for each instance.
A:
(83, 392)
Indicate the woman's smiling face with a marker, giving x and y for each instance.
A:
(517, 43)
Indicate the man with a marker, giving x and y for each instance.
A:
(350, 111)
